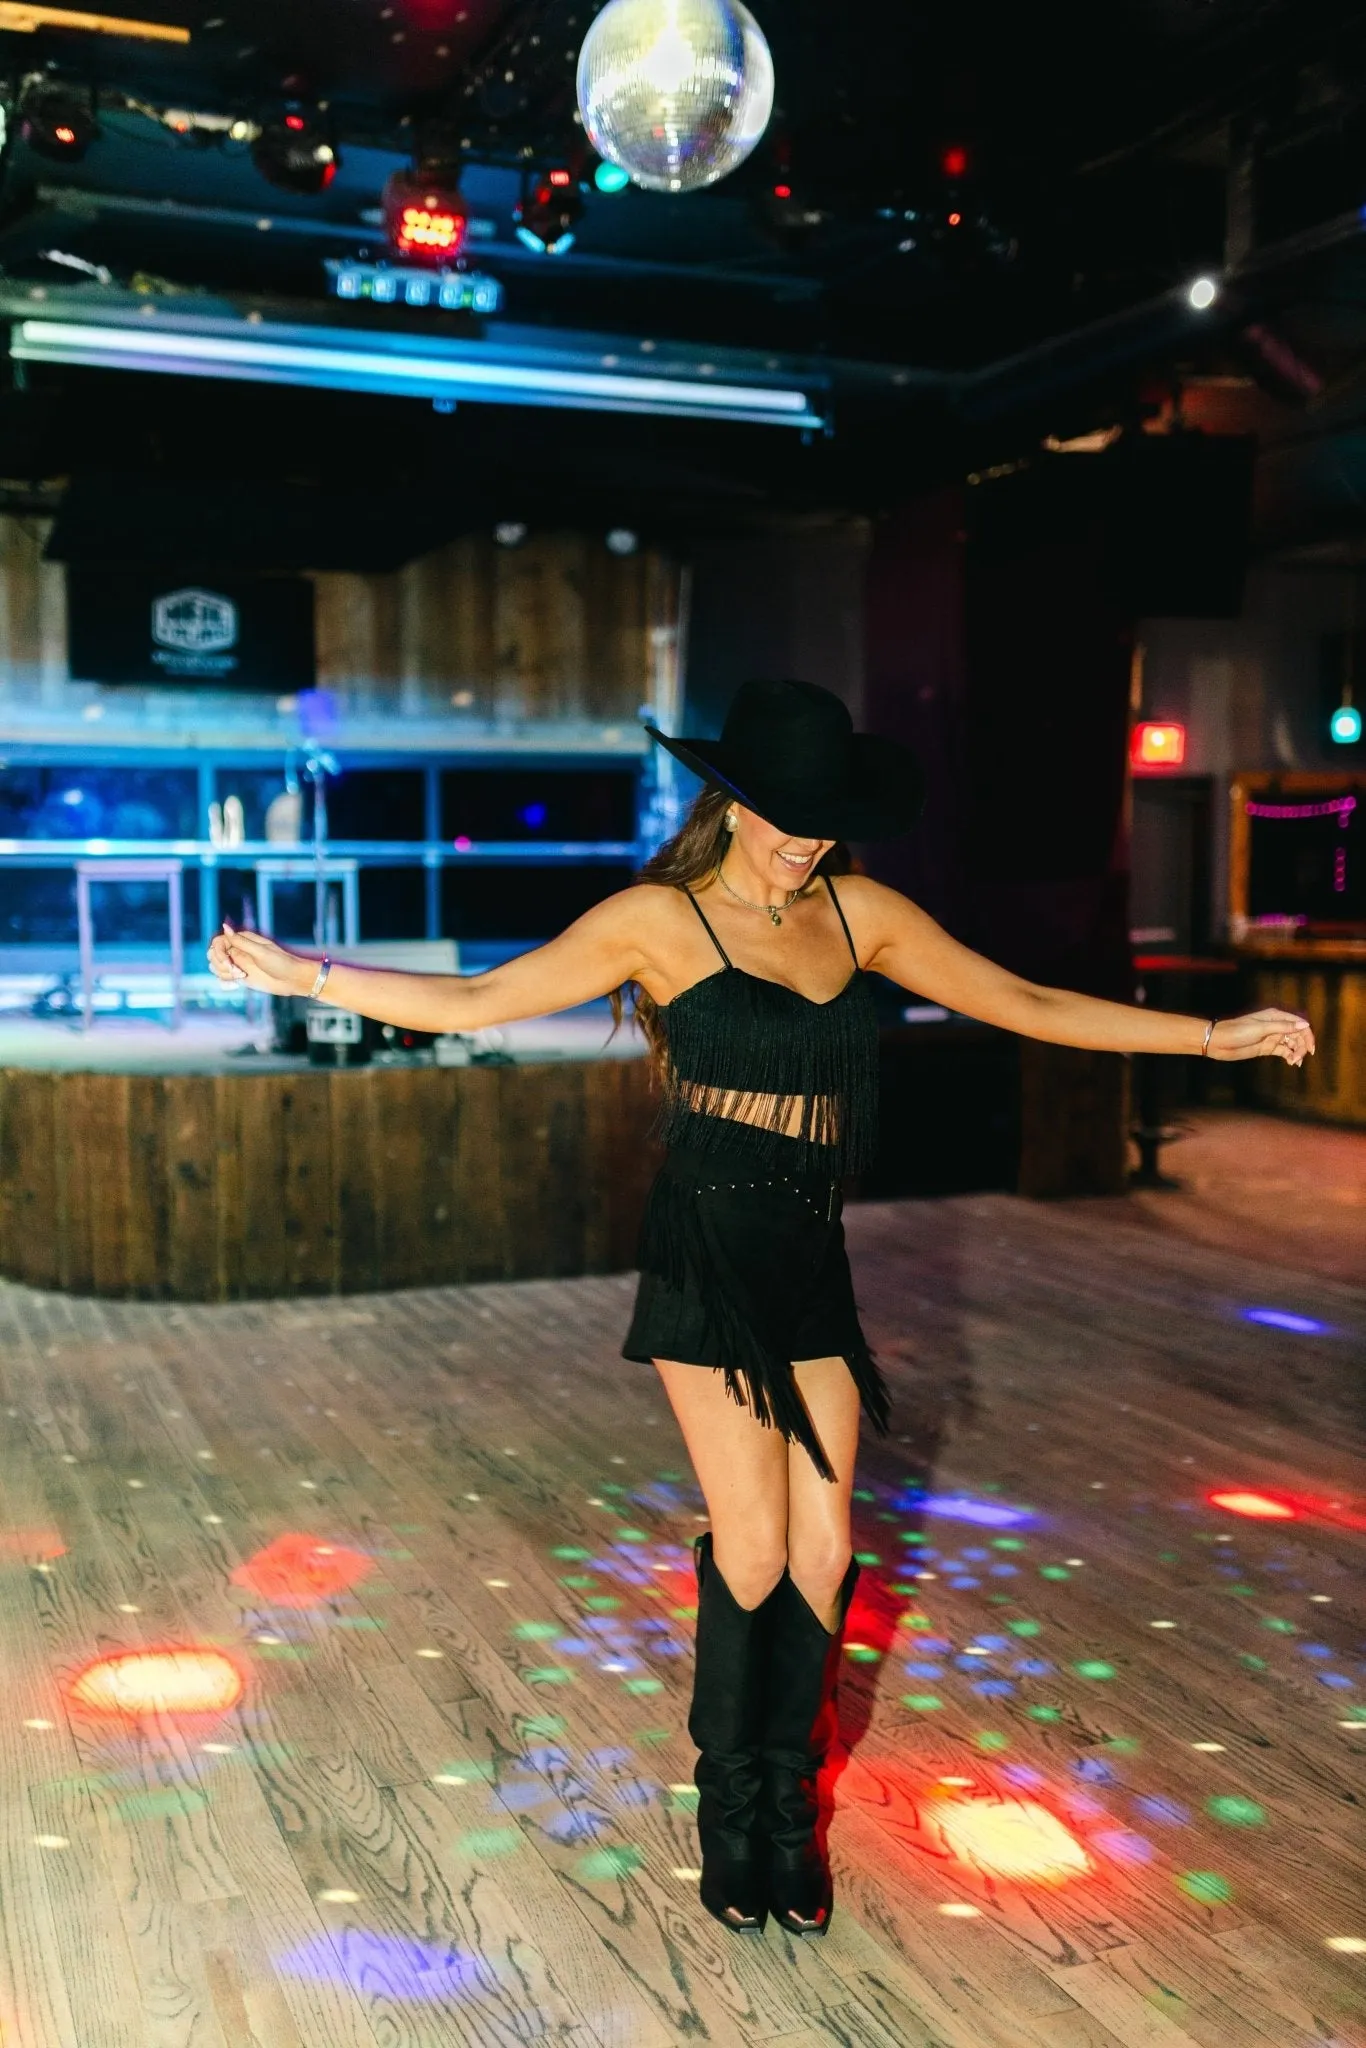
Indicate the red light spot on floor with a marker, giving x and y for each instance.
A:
(159, 1682)
(1258, 1507)
(299, 1571)
(1012, 1838)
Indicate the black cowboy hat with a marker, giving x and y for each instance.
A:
(789, 752)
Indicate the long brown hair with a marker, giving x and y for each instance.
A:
(693, 855)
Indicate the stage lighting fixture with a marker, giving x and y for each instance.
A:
(1345, 725)
(58, 124)
(622, 541)
(1157, 746)
(294, 152)
(954, 162)
(509, 533)
(1202, 293)
(548, 213)
(425, 216)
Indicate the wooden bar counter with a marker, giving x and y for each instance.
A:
(1325, 980)
(227, 1186)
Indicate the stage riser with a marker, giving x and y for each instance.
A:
(230, 1187)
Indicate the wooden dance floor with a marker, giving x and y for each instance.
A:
(414, 1771)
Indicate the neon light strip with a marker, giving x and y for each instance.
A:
(20, 19)
(421, 376)
(1344, 805)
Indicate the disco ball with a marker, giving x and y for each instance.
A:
(675, 92)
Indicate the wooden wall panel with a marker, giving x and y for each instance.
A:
(1073, 1121)
(1332, 1084)
(211, 1188)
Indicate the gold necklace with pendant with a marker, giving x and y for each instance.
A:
(772, 911)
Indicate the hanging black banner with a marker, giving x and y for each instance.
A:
(251, 633)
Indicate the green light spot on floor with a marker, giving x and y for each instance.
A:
(484, 1842)
(862, 1653)
(1282, 1628)
(548, 1674)
(1253, 1663)
(1123, 1745)
(479, 1771)
(357, 1621)
(919, 1621)
(535, 1631)
(1169, 1557)
(655, 1734)
(544, 1725)
(1044, 1713)
(642, 1685)
(570, 1550)
(913, 1536)
(614, 1489)
(1244, 1592)
(603, 1603)
(991, 1741)
(912, 1592)
(686, 1798)
(282, 1653)
(1054, 1571)
(609, 1863)
(864, 1493)
(1356, 1714)
(1235, 1812)
(160, 1805)
(576, 1580)
(1024, 1628)
(670, 1478)
(866, 1557)
(922, 1702)
(683, 1613)
(1206, 1887)
(632, 1536)
(1094, 1667)
(1006, 1543)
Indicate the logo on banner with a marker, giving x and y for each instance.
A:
(194, 631)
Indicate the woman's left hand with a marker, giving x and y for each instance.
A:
(1262, 1034)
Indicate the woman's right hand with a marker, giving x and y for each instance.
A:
(256, 960)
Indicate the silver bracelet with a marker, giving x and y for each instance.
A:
(319, 980)
(1209, 1033)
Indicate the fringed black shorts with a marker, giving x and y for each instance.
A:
(743, 1268)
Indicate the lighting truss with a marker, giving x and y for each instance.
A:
(496, 373)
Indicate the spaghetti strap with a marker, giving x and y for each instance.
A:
(843, 920)
(710, 933)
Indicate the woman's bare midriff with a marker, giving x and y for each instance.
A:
(790, 1116)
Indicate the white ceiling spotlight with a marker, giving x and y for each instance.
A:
(1202, 292)
(621, 540)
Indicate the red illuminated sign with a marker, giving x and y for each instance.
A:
(1157, 746)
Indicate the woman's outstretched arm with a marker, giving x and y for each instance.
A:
(597, 953)
(910, 948)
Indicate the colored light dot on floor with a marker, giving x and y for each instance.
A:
(1044, 1713)
(1006, 1543)
(211, 1518)
(683, 1613)
(1206, 1887)
(610, 1863)
(862, 1653)
(1346, 1944)
(474, 1496)
(137, 1483)
(533, 1631)
(922, 1702)
(1235, 1812)
(1322, 1600)
(548, 1674)
(127, 1607)
(335, 1896)
(489, 1842)
(52, 1841)
(570, 1551)
(501, 1584)
(866, 1557)
(1054, 1571)
(1282, 1628)
(218, 1748)
(1094, 1667)
(40, 1724)
(632, 1536)
(544, 1725)
(1024, 1628)
(1209, 1748)
(863, 1493)
(1163, 1624)
(643, 1685)
(686, 1876)
(603, 1603)
(991, 1741)
(953, 1911)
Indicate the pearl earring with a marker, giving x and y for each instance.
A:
(731, 821)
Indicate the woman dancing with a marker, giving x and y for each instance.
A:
(749, 969)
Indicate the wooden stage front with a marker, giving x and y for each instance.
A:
(443, 1538)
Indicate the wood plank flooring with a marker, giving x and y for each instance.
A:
(452, 1805)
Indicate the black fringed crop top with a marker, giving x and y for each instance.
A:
(740, 1048)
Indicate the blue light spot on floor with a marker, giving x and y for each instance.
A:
(964, 1585)
(1336, 1680)
(993, 1688)
(1033, 1667)
(1283, 1319)
(924, 1670)
(545, 1759)
(976, 1556)
(572, 1646)
(1023, 1776)
(1170, 1812)
(420, 1972)
(1005, 1571)
(992, 1642)
(1123, 1846)
(607, 1759)
(961, 1507)
(1314, 1650)
(576, 1827)
(1094, 1769)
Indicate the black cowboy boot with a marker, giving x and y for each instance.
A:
(799, 1727)
(725, 1722)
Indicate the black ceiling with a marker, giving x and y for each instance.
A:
(1114, 151)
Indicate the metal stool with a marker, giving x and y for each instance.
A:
(347, 872)
(167, 871)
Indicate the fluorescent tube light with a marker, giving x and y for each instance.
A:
(354, 365)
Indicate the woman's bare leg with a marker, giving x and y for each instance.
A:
(742, 1467)
(819, 1534)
